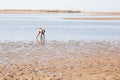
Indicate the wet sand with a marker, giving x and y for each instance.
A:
(57, 60)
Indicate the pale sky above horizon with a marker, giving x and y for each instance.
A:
(83, 5)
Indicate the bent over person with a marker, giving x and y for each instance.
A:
(41, 32)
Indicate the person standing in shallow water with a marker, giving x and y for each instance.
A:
(41, 32)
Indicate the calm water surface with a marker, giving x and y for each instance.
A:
(19, 27)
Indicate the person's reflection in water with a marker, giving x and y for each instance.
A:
(41, 32)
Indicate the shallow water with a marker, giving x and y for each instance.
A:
(25, 51)
(22, 27)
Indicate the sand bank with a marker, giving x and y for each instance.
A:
(73, 60)
(104, 13)
(91, 18)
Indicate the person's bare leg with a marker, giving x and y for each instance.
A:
(41, 39)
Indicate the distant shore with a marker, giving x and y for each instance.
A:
(15, 11)
(36, 11)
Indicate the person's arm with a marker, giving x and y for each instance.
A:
(44, 34)
(38, 35)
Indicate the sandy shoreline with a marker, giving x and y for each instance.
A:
(36, 11)
(73, 60)
(14, 11)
